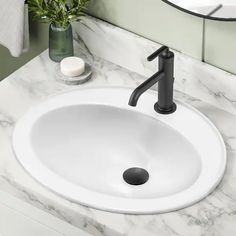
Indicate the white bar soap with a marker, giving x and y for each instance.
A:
(72, 66)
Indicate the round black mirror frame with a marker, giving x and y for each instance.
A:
(197, 14)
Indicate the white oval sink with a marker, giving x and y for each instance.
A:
(79, 145)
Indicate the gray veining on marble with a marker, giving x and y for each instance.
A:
(39, 79)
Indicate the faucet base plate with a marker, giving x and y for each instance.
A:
(160, 110)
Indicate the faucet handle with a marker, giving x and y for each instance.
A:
(158, 52)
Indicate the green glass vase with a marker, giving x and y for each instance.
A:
(60, 42)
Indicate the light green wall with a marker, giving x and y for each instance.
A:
(220, 45)
(38, 43)
(154, 20)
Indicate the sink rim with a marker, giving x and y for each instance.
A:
(53, 181)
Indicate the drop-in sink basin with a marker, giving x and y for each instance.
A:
(89, 146)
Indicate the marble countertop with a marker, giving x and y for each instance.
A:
(39, 79)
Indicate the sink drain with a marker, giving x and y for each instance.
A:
(135, 176)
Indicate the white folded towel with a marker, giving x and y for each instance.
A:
(14, 30)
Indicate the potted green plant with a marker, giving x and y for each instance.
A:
(60, 14)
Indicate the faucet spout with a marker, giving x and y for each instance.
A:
(144, 87)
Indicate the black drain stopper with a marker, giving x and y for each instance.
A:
(136, 176)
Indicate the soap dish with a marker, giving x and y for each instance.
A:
(78, 79)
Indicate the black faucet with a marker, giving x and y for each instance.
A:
(165, 77)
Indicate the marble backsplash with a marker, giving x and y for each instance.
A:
(130, 51)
